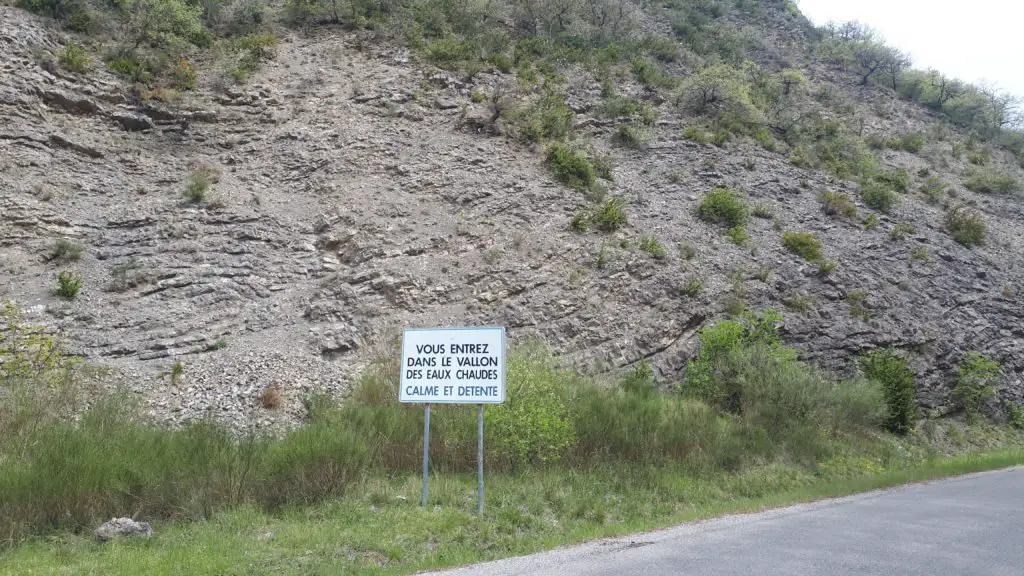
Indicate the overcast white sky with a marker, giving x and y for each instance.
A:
(972, 40)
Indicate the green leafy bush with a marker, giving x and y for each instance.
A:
(912, 142)
(632, 136)
(652, 246)
(738, 235)
(966, 225)
(723, 206)
(65, 250)
(878, 196)
(570, 166)
(696, 134)
(68, 284)
(990, 182)
(901, 231)
(610, 215)
(934, 189)
(838, 204)
(804, 244)
(691, 288)
(618, 107)
(898, 180)
(897, 382)
(74, 58)
(976, 380)
(547, 119)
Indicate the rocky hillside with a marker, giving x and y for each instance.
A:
(277, 233)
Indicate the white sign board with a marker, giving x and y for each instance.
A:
(453, 366)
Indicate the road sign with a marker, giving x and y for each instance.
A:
(453, 366)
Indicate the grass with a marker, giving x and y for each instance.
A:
(987, 181)
(723, 206)
(74, 58)
(804, 244)
(653, 246)
(569, 459)
(570, 166)
(384, 531)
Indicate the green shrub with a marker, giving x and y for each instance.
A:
(74, 58)
(979, 157)
(183, 75)
(898, 180)
(826, 267)
(919, 253)
(580, 221)
(652, 246)
(134, 67)
(723, 206)
(871, 221)
(547, 119)
(65, 250)
(966, 225)
(762, 211)
(738, 235)
(977, 377)
(856, 300)
(934, 189)
(990, 182)
(838, 204)
(449, 52)
(897, 382)
(691, 288)
(632, 137)
(901, 231)
(610, 215)
(68, 284)
(878, 196)
(912, 142)
(533, 425)
(696, 134)
(804, 244)
(570, 166)
(198, 185)
(618, 107)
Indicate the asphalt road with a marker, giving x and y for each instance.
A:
(963, 526)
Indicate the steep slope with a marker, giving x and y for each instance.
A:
(357, 194)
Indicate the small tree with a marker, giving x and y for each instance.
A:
(898, 384)
(975, 383)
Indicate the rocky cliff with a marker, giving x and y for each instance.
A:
(357, 190)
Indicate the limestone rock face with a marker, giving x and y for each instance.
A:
(360, 193)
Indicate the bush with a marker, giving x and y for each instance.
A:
(570, 166)
(838, 204)
(652, 246)
(966, 225)
(610, 215)
(878, 196)
(723, 206)
(898, 180)
(199, 182)
(976, 380)
(912, 142)
(547, 119)
(934, 189)
(65, 250)
(804, 244)
(691, 288)
(990, 182)
(68, 284)
(901, 231)
(74, 58)
(897, 382)
(738, 235)
(183, 75)
(618, 107)
(632, 137)
(696, 134)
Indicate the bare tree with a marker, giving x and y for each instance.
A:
(895, 64)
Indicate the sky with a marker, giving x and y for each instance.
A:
(979, 40)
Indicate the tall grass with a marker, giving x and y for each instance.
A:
(747, 402)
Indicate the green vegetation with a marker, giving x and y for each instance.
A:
(571, 166)
(804, 244)
(901, 231)
(652, 246)
(548, 118)
(74, 58)
(976, 382)
(631, 136)
(871, 221)
(934, 188)
(911, 142)
(966, 225)
(838, 204)
(898, 180)
(990, 182)
(738, 235)
(619, 107)
(68, 284)
(897, 381)
(919, 254)
(858, 309)
(696, 134)
(751, 425)
(65, 250)
(878, 196)
(197, 187)
(723, 206)
(691, 288)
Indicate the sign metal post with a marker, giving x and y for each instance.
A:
(453, 366)
(426, 453)
(480, 459)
